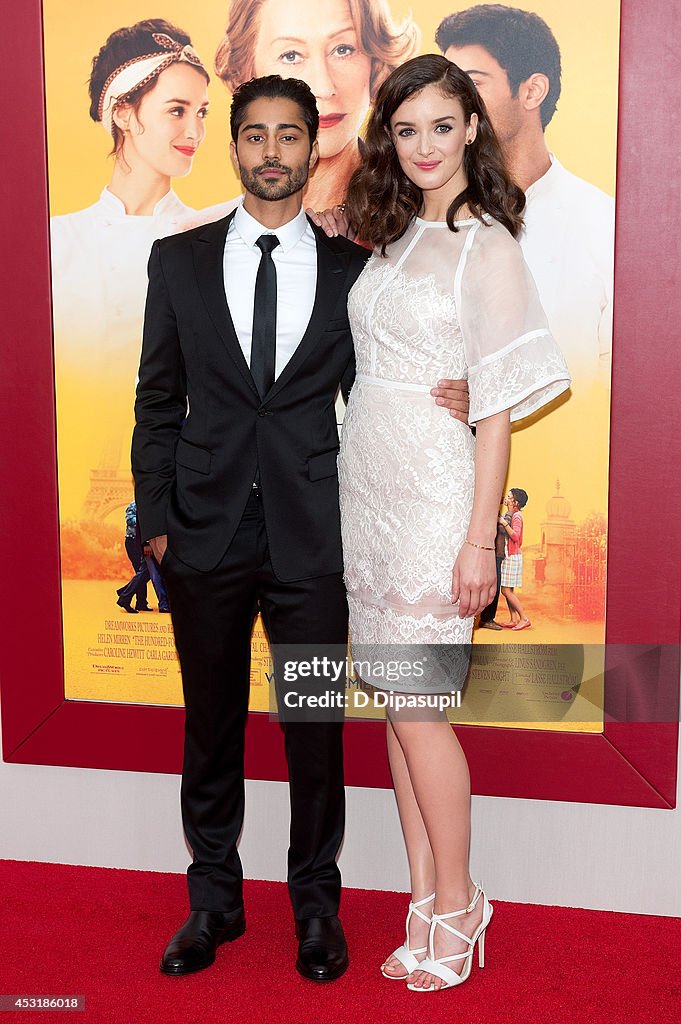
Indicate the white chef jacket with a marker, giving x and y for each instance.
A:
(568, 243)
(99, 285)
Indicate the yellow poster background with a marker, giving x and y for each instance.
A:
(583, 131)
(561, 460)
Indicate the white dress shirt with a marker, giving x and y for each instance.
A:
(295, 259)
(568, 243)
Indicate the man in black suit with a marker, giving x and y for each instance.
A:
(246, 341)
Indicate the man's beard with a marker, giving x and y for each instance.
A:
(293, 180)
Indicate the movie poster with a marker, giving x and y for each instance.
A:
(104, 219)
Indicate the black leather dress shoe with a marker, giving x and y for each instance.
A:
(194, 946)
(322, 950)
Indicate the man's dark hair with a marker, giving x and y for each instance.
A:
(520, 496)
(521, 43)
(274, 87)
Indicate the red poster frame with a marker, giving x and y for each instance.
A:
(630, 762)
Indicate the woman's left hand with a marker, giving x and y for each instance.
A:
(474, 580)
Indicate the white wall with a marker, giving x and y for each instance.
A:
(529, 851)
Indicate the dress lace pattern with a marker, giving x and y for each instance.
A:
(406, 467)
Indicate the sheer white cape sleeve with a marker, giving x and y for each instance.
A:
(513, 360)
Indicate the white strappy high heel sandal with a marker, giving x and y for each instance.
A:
(405, 955)
(438, 967)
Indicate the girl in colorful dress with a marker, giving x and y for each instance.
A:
(512, 565)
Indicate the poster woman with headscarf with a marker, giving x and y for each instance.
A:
(148, 89)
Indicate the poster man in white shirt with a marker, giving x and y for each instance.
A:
(568, 239)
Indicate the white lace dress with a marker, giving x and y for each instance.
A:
(440, 304)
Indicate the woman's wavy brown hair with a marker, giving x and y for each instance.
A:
(382, 201)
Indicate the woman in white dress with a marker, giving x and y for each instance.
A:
(446, 294)
(148, 89)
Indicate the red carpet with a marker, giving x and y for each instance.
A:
(100, 933)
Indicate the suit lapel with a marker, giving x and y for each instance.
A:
(330, 266)
(209, 249)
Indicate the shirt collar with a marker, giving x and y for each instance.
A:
(547, 179)
(167, 206)
(249, 229)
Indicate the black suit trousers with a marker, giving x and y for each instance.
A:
(489, 613)
(213, 615)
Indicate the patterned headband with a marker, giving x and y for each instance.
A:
(140, 70)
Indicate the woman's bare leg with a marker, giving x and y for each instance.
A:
(419, 853)
(440, 782)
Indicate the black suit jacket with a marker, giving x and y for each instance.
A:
(201, 428)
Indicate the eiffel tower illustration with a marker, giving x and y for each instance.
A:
(110, 488)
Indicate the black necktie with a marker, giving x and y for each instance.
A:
(264, 339)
